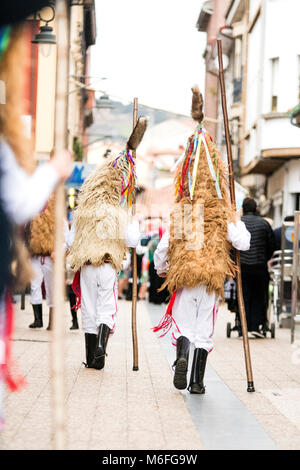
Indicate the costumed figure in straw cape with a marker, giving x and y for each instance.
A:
(194, 255)
(99, 239)
(23, 192)
(41, 247)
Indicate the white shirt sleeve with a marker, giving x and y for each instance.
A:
(133, 234)
(126, 262)
(23, 195)
(72, 234)
(161, 263)
(238, 235)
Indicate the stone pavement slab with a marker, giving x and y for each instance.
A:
(112, 409)
(223, 421)
(276, 373)
(121, 409)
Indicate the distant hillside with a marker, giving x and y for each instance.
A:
(115, 124)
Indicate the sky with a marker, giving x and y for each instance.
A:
(149, 49)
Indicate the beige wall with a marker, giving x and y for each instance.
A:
(45, 107)
(76, 68)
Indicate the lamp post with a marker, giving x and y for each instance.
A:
(45, 38)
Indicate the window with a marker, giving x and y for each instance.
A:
(238, 56)
(275, 83)
(237, 70)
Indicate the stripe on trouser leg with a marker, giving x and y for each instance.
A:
(213, 327)
(113, 316)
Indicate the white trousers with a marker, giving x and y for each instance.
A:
(194, 316)
(99, 293)
(43, 268)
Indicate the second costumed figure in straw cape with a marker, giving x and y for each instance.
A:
(41, 246)
(194, 255)
(99, 240)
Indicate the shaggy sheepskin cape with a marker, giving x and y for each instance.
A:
(42, 231)
(100, 221)
(191, 265)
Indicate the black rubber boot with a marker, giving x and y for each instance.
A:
(100, 351)
(38, 316)
(90, 346)
(72, 301)
(198, 369)
(74, 321)
(181, 363)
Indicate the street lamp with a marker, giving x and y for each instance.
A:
(45, 38)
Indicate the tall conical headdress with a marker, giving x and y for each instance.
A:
(100, 217)
(198, 246)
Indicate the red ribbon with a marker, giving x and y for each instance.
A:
(16, 381)
(165, 323)
(77, 290)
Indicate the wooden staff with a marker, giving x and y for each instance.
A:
(135, 366)
(250, 387)
(60, 142)
(295, 277)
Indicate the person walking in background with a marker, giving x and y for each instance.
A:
(255, 275)
(71, 298)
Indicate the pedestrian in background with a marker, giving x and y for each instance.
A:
(277, 233)
(255, 275)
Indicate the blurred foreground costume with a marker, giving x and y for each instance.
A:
(99, 238)
(16, 180)
(41, 247)
(195, 254)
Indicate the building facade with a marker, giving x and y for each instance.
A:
(210, 20)
(40, 87)
(262, 45)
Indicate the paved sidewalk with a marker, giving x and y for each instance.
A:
(111, 409)
(276, 372)
(121, 409)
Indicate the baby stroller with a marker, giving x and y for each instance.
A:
(230, 294)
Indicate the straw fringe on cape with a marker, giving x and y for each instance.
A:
(100, 221)
(42, 231)
(211, 264)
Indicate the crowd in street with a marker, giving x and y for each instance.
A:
(99, 267)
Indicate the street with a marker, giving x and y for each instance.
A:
(121, 409)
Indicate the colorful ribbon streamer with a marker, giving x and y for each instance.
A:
(211, 168)
(4, 39)
(127, 165)
(194, 148)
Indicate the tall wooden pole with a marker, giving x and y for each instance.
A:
(242, 313)
(295, 278)
(60, 143)
(134, 268)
